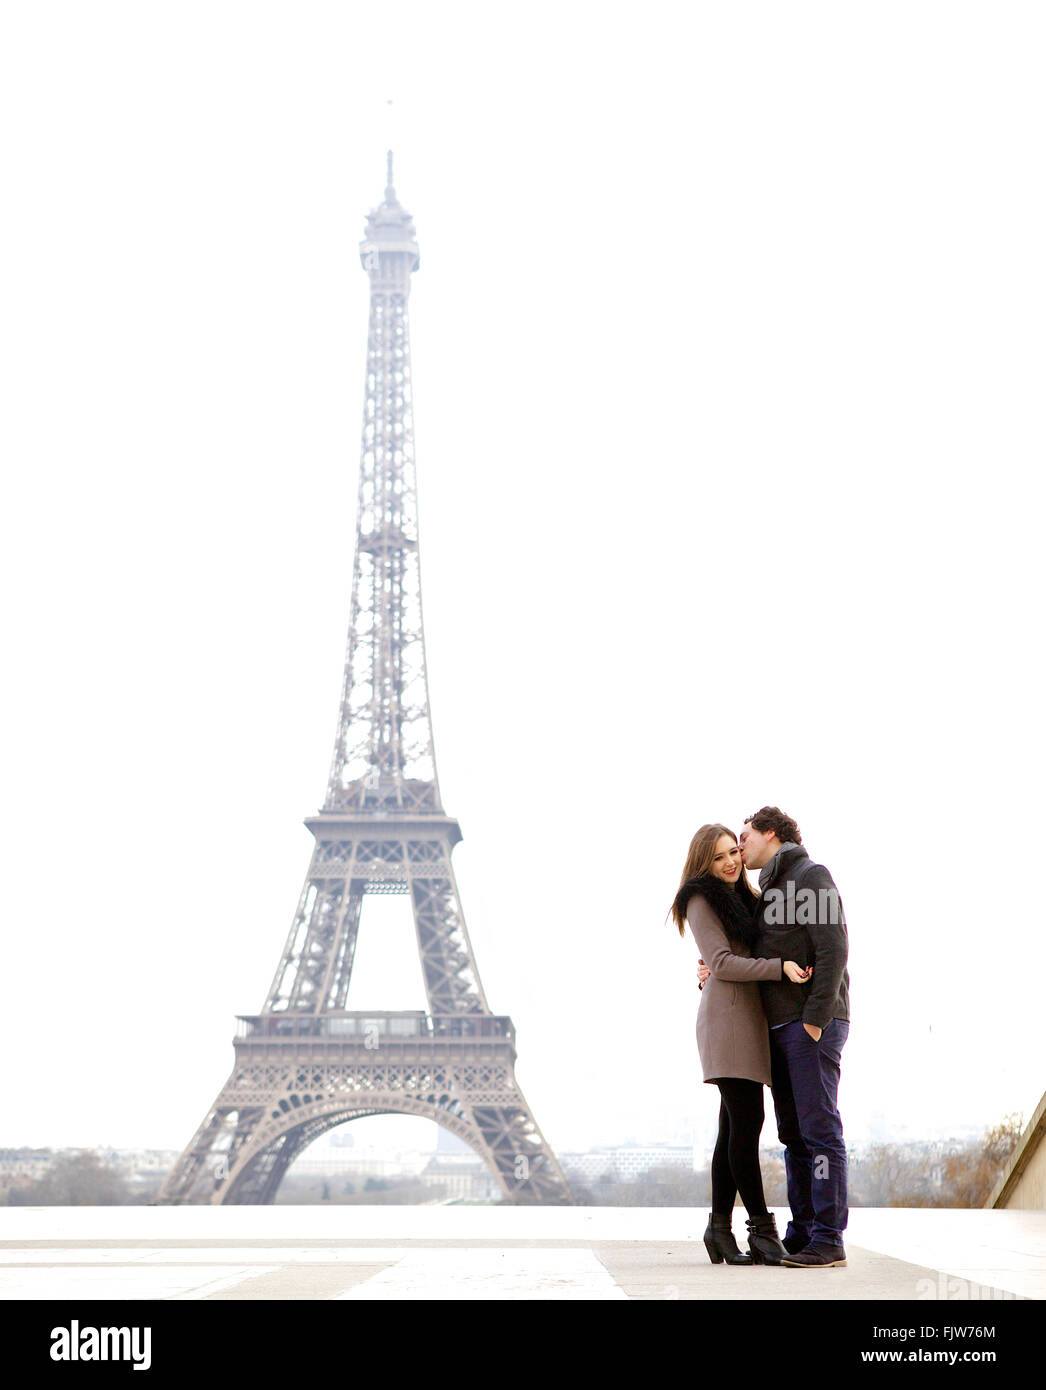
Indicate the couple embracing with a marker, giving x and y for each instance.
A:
(774, 1012)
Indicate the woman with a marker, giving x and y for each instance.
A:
(717, 902)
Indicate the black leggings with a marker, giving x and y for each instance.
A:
(735, 1160)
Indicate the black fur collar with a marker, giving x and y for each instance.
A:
(734, 908)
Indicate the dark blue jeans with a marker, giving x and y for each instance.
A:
(805, 1090)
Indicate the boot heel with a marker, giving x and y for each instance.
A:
(713, 1253)
(763, 1244)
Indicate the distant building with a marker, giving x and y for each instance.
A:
(364, 1163)
(630, 1162)
(25, 1163)
(463, 1176)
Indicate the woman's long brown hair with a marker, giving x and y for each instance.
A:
(699, 860)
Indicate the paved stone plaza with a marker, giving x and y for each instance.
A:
(457, 1252)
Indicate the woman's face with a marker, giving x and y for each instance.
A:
(727, 862)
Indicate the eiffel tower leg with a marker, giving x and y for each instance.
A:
(447, 965)
(201, 1172)
(509, 1138)
(519, 1155)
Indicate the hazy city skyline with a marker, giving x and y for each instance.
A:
(726, 350)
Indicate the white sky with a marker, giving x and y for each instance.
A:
(728, 358)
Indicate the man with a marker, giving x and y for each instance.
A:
(801, 919)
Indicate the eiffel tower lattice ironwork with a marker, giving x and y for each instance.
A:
(305, 1063)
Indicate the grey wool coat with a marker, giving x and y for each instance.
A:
(732, 1036)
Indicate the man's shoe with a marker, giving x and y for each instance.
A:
(793, 1244)
(817, 1257)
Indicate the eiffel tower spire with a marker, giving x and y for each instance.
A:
(306, 1063)
(383, 753)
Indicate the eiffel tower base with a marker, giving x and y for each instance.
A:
(294, 1078)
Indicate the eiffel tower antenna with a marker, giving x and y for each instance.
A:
(306, 1064)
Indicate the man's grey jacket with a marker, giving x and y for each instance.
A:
(801, 918)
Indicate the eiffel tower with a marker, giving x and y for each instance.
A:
(305, 1063)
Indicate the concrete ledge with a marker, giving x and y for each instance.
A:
(1023, 1184)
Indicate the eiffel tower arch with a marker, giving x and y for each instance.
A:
(306, 1063)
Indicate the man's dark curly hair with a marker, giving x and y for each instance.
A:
(773, 818)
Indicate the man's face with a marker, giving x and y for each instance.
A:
(758, 847)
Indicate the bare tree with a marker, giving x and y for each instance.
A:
(969, 1176)
(75, 1180)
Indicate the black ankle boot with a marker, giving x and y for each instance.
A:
(720, 1242)
(763, 1241)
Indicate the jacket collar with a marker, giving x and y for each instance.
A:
(786, 856)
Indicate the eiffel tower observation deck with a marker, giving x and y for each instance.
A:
(305, 1063)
